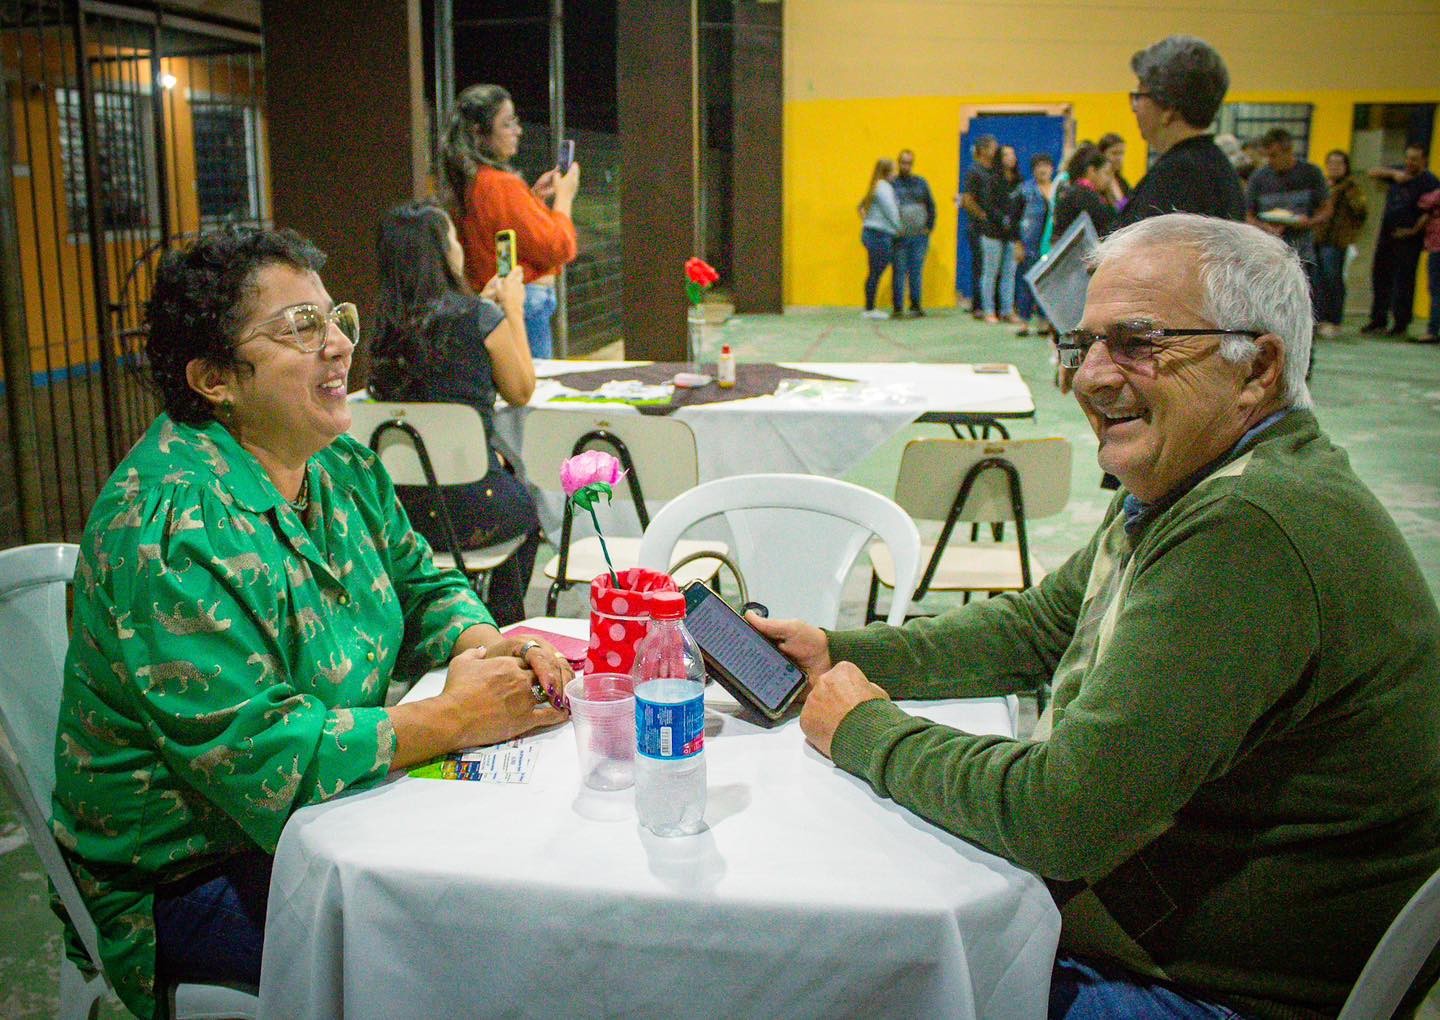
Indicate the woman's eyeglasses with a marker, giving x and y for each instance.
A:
(1130, 343)
(308, 327)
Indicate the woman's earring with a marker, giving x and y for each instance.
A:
(227, 407)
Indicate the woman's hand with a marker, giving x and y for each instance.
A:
(508, 293)
(544, 186)
(550, 667)
(806, 646)
(492, 698)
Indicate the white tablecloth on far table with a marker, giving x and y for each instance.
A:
(807, 436)
(806, 896)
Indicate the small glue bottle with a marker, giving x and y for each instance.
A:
(725, 368)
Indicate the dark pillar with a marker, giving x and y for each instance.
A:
(657, 159)
(345, 102)
(756, 209)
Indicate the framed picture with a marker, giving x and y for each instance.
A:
(1059, 279)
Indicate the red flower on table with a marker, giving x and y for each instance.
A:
(699, 276)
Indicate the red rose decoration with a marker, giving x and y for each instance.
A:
(701, 272)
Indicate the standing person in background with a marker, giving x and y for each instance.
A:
(1430, 206)
(1290, 187)
(1090, 178)
(881, 214)
(1182, 82)
(917, 220)
(1030, 208)
(976, 202)
(1333, 238)
(1112, 147)
(997, 248)
(436, 341)
(1397, 248)
(1252, 158)
(487, 194)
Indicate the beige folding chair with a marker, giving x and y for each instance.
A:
(1398, 958)
(660, 449)
(34, 633)
(434, 444)
(977, 481)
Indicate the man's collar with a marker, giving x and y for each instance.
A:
(1138, 513)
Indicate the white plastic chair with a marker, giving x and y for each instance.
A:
(1397, 959)
(660, 460)
(434, 444)
(980, 481)
(33, 632)
(795, 537)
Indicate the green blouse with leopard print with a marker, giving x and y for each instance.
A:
(229, 661)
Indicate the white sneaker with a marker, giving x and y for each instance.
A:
(875, 313)
(1328, 330)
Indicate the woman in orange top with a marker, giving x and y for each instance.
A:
(488, 195)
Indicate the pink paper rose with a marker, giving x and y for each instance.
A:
(588, 468)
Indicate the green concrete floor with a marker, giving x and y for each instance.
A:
(1378, 398)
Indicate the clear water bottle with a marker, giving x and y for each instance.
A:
(669, 676)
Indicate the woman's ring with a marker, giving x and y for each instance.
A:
(526, 648)
(538, 692)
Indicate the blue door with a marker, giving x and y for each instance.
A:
(1029, 133)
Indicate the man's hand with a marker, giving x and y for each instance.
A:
(806, 646)
(832, 695)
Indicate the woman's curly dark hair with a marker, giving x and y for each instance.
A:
(202, 294)
(416, 284)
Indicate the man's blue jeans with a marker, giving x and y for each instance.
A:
(1433, 261)
(1083, 989)
(909, 264)
(540, 305)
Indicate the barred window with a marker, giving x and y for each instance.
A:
(227, 179)
(1248, 121)
(123, 153)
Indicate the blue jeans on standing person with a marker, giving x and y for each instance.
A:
(540, 302)
(880, 247)
(909, 264)
(1433, 262)
(210, 926)
(1084, 989)
(1329, 283)
(998, 265)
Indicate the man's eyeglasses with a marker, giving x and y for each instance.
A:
(1135, 98)
(307, 327)
(1130, 343)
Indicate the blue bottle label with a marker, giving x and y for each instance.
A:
(670, 719)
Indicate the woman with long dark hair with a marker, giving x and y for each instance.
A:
(487, 194)
(881, 215)
(436, 341)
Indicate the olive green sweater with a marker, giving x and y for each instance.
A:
(1242, 783)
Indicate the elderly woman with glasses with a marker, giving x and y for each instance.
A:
(248, 587)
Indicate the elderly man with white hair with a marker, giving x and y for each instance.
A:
(1237, 785)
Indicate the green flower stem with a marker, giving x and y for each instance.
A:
(603, 547)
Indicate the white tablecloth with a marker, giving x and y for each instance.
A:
(807, 436)
(806, 896)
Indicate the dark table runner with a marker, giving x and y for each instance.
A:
(750, 381)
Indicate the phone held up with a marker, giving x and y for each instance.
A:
(567, 155)
(504, 252)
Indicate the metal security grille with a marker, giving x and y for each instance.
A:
(1251, 120)
(130, 130)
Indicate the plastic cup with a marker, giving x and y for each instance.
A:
(602, 709)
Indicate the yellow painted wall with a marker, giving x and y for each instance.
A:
(864, 79)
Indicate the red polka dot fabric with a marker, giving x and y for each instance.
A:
(619, 617)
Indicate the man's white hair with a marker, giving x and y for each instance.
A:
(1250, 281)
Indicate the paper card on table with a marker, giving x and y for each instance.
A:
(572, 648)
(510, 762)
